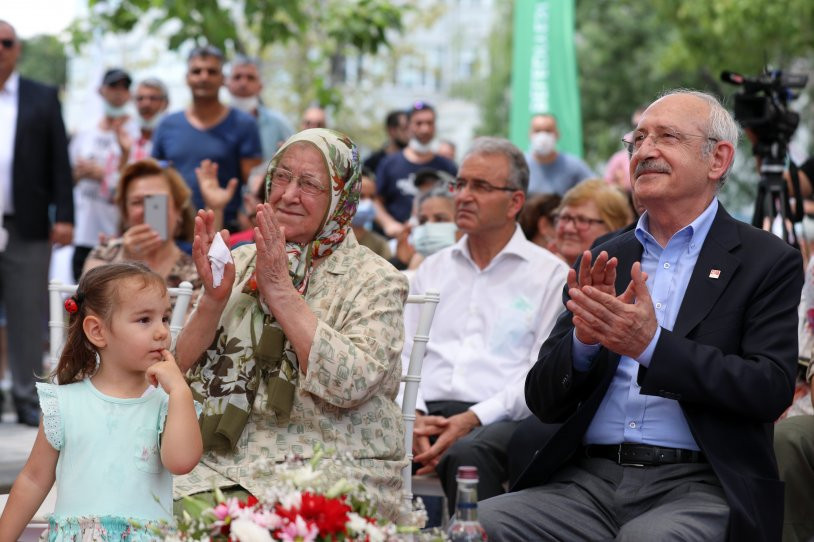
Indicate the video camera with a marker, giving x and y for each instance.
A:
(762, 106)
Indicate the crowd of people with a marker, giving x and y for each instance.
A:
(614, 351)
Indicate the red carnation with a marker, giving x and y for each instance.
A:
(251, 500)
(329, 515)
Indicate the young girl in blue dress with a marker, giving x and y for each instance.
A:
(109, 439)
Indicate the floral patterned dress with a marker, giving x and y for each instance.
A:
(345, 402)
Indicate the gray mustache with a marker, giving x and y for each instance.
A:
(653, 166)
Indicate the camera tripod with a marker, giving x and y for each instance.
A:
(773, 199)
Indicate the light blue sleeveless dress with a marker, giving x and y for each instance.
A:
(111, 484)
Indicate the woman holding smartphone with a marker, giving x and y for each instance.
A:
(146, 191)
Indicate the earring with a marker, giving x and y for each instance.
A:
(98, 361)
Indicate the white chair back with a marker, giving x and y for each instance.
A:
(429, 301)
(57, 322)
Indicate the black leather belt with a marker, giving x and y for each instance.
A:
(643, 455)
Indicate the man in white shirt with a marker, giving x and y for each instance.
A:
(500, 296)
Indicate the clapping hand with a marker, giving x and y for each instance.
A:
(204, 234)
(624, 324)
(272, 260)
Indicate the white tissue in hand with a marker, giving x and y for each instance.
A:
(219, 256)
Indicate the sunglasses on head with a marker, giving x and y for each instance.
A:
(8, 43)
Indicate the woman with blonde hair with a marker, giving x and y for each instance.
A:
(590, 209)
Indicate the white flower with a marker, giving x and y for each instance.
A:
(267, 519)
(356, 523)
(303, 476)
(340, 487)
(291, 500)
(245, 530)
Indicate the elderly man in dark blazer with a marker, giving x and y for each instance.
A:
(34, 175)
(674, 357)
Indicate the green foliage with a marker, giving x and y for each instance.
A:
(43, 59)
(492, 93)
(319, 34)
(629, 52)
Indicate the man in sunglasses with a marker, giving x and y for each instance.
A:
(35, 175)
(676, 354)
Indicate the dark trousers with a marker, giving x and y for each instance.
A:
(530, 436)
(24, 288)
(794, 447)
(484, 447)
(596, 499)
(80, 254)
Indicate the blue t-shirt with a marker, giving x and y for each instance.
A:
(395, 181)
(557, 177)
(184, 146)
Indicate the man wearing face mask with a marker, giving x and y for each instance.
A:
(551, 172)
(97, 154)
(244, 86)
(363, 219)
(151, 103)
(394, 176)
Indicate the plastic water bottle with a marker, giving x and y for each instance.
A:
(465, 527)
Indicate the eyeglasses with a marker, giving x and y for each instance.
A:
(281, 178)
(8, 43)
(147, 98)
(580, 222)
(477, 186)
(664, 139)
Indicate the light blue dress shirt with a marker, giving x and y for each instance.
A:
(625, 415)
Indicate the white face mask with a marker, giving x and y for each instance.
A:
(365, 212)
(543, 143)
(247, 105)
(113, 112)
(150, 124)
(431, 237)
(419, 147)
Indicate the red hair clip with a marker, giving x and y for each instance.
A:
(72, 303)
(71, 306)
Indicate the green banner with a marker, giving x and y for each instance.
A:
(544, 71)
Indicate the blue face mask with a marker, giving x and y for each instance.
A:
(364, 214)
(431, 237)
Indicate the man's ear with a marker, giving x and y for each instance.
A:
(94, 330)
(516, 203)
(722, 156)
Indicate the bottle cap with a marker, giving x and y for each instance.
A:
(468, 473)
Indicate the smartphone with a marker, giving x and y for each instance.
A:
(155, 213)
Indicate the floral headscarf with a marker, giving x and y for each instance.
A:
(341, 158)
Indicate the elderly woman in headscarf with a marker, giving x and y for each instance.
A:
(298, 347)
